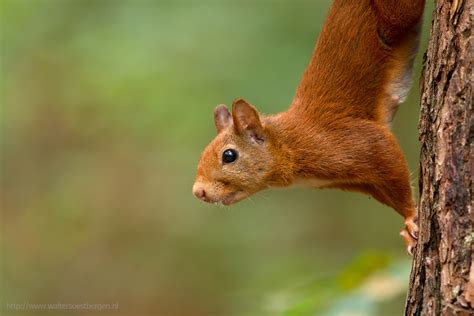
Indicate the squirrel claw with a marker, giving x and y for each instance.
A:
(412, 227)
(409, 240)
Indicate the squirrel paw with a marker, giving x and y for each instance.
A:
(410, 233)
(411, 225)
(410, 242)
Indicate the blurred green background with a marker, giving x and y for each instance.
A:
(106, 106)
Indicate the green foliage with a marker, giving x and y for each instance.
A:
(353, 290)
(360, 268)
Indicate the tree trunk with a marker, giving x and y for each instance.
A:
(442, 277)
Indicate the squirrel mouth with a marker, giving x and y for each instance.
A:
(231, 198)
(228, 199)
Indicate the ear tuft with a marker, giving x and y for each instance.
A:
(222, 117)
(247, 120)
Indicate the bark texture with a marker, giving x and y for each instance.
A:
(442, 278)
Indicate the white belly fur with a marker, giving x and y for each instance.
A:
(311, 183)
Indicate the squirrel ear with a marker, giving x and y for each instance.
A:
(247, 120)
(222, 117)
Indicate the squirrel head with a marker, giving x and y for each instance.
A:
(239, 160)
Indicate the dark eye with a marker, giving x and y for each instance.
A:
(229, 155)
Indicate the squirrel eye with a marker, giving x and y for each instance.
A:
(229, 155)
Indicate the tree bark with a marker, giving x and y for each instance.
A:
(442, 277)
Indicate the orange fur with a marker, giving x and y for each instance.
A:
(335, 133)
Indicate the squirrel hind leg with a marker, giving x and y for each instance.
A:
(391, 108)
(399, 79)
(398, 17)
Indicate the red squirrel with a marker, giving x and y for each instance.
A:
(336, 132)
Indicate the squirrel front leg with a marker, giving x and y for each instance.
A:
(378, 168)
(396, 195)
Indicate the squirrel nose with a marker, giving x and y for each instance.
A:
(199, 192)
